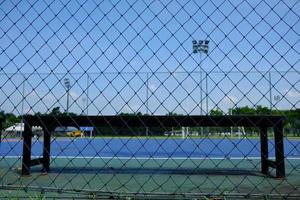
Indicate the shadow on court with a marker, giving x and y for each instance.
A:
(158, 176)
(149, 171)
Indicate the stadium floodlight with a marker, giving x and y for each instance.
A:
(67, 86)
(277, 98)
(195, 46)
(204, 46)
(200, 46)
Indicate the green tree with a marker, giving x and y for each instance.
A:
(9, 119)
(12, 119)
(243, 111)
(55, 111)
(216, 112)
(261, 110)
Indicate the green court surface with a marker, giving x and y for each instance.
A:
(132, 177)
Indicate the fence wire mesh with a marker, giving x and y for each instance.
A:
(175, 59)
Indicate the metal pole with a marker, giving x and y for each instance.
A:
(68, 92)
(87, 94)
(270, 92)
(23, 98)
(201, 98)
(199, 47)
(206, 95)
(23, 93)
(147, 93)
(147, 97)
(67, 85)
(83, 105)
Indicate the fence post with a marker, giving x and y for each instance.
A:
(46, 149)
(279, 151)
(26, 149)
(264, 149)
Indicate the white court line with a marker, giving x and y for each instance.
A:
(154, 158)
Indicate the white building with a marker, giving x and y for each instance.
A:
(18, 128)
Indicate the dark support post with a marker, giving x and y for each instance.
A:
(26, 149)
(264, 149)
(46, 149)
(279, 151)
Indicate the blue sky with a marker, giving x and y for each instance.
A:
(100, 45)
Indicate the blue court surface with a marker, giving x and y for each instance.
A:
(150, 148)
(158, 165)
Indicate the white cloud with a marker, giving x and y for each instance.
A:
(229, 100)
(293, 94)
(74, 95)
(130, 108)
(152, 87)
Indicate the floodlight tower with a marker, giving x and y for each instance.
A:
(67, 86)
(200, 47)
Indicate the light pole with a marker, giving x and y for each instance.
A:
(147, 93)
(87, 93)
(270, 85)
(200, 47)
(83, 104)
(68, 86)
(147, 97)
(23, 99)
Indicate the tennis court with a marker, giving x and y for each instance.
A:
(146, 148)
(173, 99)
(157, 165)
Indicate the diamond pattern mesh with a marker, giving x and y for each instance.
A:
(149, 58)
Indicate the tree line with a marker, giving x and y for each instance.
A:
(291, 121)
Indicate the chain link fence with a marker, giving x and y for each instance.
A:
(149, 60)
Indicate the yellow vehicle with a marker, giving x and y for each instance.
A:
(76, 133)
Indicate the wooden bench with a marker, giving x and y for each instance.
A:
(48, 123)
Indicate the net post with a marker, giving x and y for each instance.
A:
(264, 149)
(46, 149)
(26, 149)
(279, 150)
